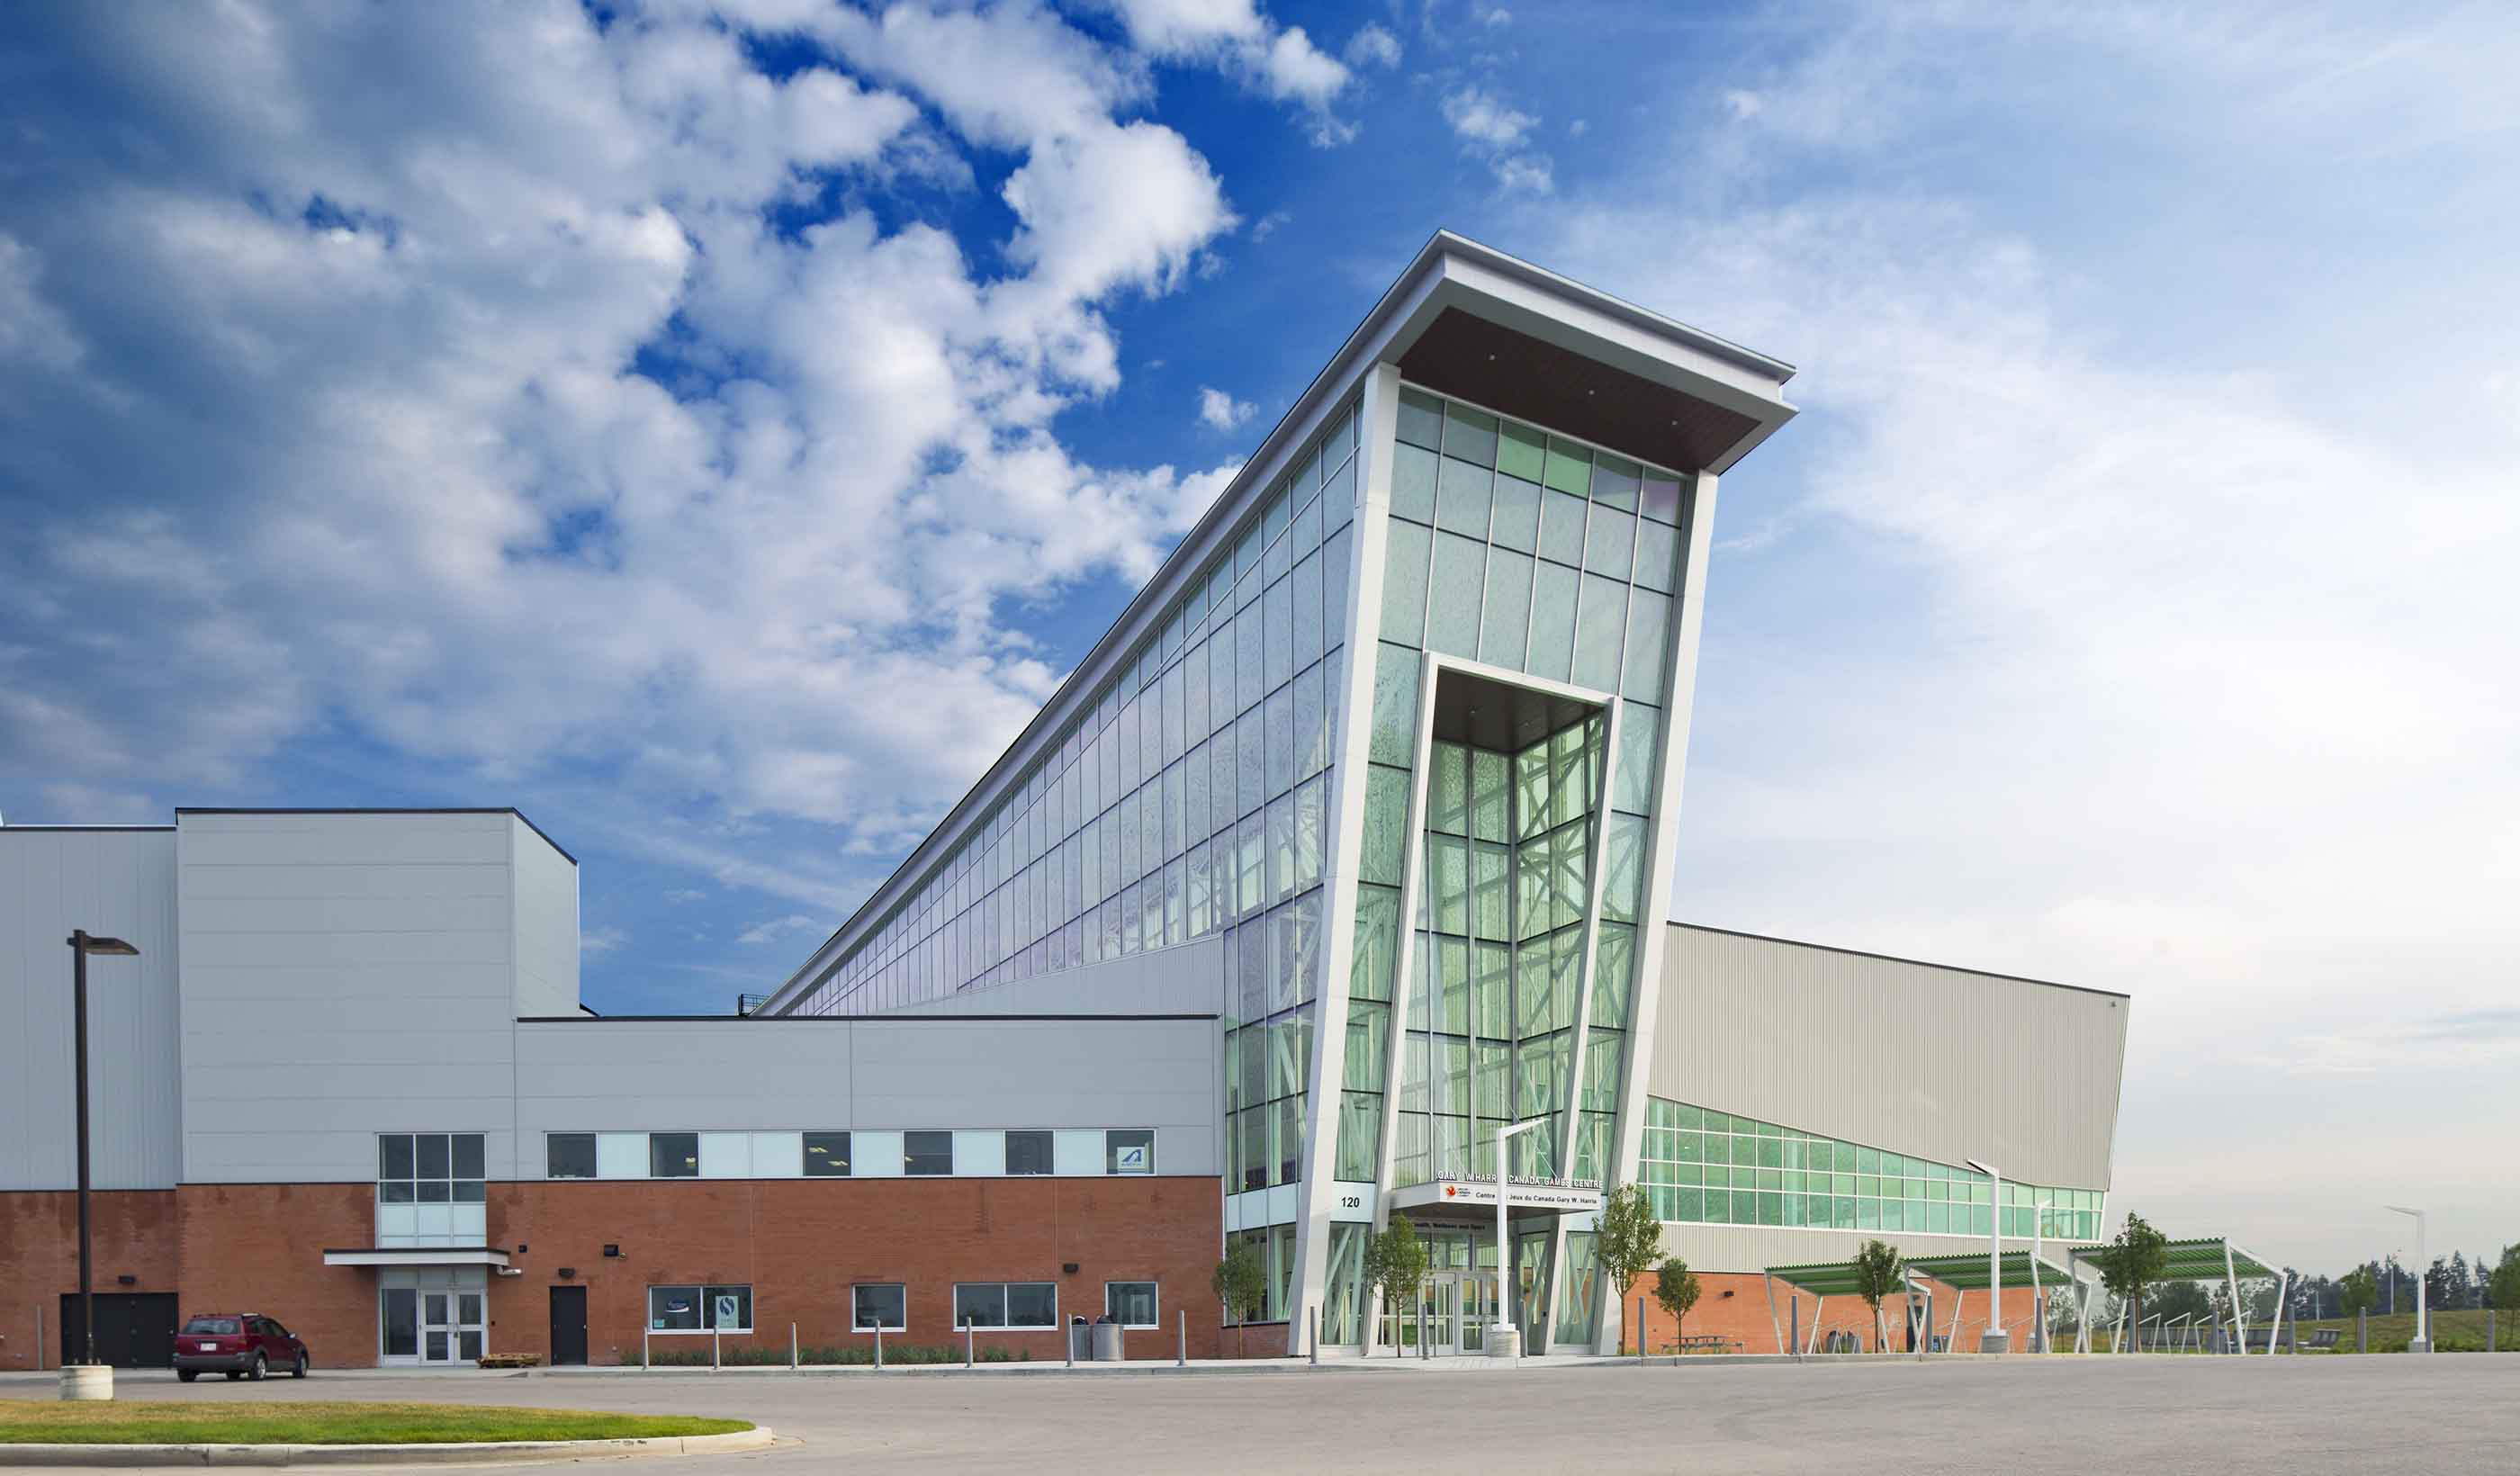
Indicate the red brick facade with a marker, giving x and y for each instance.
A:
(798, 1243)
(1734, 1306)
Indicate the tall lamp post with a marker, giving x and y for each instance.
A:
(1997, 1340)
(1504, 1338)
(2422, 1341)
(89, 1380)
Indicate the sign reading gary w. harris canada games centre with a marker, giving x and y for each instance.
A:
(1572, 1195)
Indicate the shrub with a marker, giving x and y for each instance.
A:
(905, 1354)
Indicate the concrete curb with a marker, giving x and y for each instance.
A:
(452, 1453)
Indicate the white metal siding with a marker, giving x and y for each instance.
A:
(345, 975)
(118, 883)
(879, 1072)
(547, 925)
(1936, 1062)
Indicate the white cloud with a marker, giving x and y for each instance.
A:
(1372, 45)
(1219, 411)
(2149, 654)
(1278, 63)
(1495, 131)
(777, 928)
(1267, 226)
(596, 942)
(683, 895)
(392, 463)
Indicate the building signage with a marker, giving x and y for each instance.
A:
(1574, 1195)
(1130, 1158)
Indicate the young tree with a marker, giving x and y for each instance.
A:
(2357, 1291)
(1626, 1242)
(1395, 1263)
(1242, 1285)
(2133, 1261)
(1876, 1275)
(2504, 1284)
(1676, 1288)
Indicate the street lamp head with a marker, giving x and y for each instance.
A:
(2400, 1209)
(1988, 1169)
(102, 948)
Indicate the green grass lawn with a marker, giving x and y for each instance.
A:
(186, 1422)
(2452, 1331)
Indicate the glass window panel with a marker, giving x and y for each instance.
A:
(1334, 576)
(1614, 970)
(1279, 612)
(1304, 598)
(394, 1156)
(1378, 939)
(1490, 892)
(1223, 766)
(1394, 739)
(1661, 498)
(826, 1156)
(1521, 452)
(1609, 542)
(1623, 876)
(1250, 666)
(1386, 824)
(873, 1307)
(927, 1154)
(1278, 742)
(1649, 628)
(1514, 518)
(1571, 468)
(468, 1156)
(1462, 498)
(1282, 847)
(1632, 779)
(431, 1159)
(568, 1155)
(1339, 496)
(1505, 617)
(980, 1306)
(1600, 628)
(1421, 419)
(1304, 534)
(1614, 482)
(1272, 534)
(1312, 824)
(1561, 527)
(1311, 753)
(1404, 584)
(1657, 554)
(1471, 434)
(673, 1156)
(1251, 864)
(1221, 647)
(1413, 473)
(1553, 622)
(1250, 764)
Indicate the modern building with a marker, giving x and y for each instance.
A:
(1340, 855)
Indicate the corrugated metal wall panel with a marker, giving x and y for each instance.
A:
(1937, 1062)
(119, 884)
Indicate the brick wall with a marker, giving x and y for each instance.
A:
(131, 1232)
(798, 1243)
(1736, 1306)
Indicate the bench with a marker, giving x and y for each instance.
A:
(1704, 1342)
(2323, 1339)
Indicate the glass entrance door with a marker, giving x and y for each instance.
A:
(450, 1326)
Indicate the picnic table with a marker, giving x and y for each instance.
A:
(1705, 1342)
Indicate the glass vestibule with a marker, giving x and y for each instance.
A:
(431, 1316)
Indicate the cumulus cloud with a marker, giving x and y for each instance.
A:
(776, 928)
(499, 426)
(595, 942)
(1495, 131)
(1372, 45)
(1219, 411)
(1278, 63)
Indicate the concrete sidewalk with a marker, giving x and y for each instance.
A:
(1197, 1368)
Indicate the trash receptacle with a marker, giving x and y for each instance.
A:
(1106, 1341)
(1080, 1340)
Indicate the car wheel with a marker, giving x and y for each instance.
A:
(188, 1375)
(301, 1371)
(260, 1367)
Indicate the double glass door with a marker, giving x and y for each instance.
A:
(1452, 1316)
(431, 1326)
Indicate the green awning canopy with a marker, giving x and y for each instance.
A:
(2194, 1261)
(1825, 1279)
(1967, 1272)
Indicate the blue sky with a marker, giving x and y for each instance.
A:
(714, 429)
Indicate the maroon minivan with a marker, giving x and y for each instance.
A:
(237, 1344)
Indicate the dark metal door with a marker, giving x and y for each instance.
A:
(134, 1329)
(567, 1325)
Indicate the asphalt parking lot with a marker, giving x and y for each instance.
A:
(2023, 1416)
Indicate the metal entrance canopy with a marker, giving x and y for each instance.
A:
(1536, 1197)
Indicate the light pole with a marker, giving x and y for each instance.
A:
(1504, 1337)
(2038, 1301)
(89, 1382)
(1997, 1340)
(2422, 1341)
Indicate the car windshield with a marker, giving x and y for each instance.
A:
(213, 1325)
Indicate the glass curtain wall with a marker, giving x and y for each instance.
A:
(1705, 1167)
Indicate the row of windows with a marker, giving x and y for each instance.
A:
(1222, 708)
(826, 1156)
(1705, 1166)
(430, 1168)
(985, 1306)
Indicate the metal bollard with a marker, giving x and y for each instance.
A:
(1795, 1307)
(714, 1335)
(879, 1342)
(643, 1348)
(2493, 1344)
(1180, 1353)
(1641, 1349)
(2362, 1330)
(1313, 1315)
(967, 1345)
(792, 1346)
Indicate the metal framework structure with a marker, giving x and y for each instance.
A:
(2199, 1260)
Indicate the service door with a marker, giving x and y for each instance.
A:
(567, 1325)
(134, 1329)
